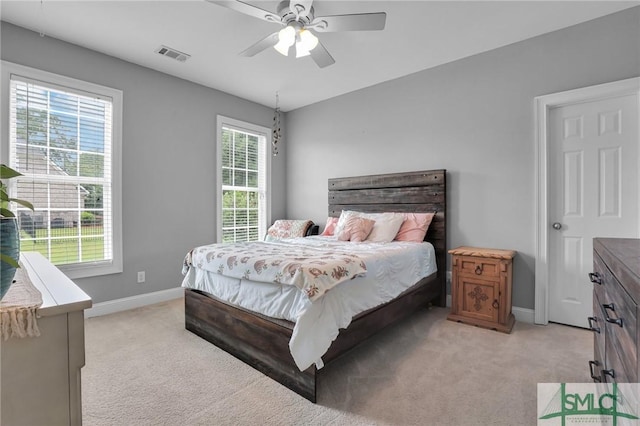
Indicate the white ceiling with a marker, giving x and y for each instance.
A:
(418, 35)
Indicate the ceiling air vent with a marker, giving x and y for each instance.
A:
(172, 53)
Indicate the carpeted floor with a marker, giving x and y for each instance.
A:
(144, 368)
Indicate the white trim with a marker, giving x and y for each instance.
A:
(84, 269)
(124, 304)
(542, 106)
(252, 128)
(523, 314)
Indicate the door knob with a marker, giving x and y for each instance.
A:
(557, 225)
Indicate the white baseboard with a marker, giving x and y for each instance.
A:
(124, 304)
(521, 314)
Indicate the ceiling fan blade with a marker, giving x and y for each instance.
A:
(321, 56)
(248, 9)
(304, 6)
(354, 22)
(265, 43)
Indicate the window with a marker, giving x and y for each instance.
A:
(64, 138)
(243, 176)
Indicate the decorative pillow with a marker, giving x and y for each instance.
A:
(386, 226)
(356, 229)
(287, 229)
(330, 227)
(344, 215)
(414, 227)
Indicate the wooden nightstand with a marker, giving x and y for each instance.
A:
(481, 287)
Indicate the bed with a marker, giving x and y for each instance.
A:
(263, 342)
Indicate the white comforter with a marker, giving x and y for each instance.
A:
(391, 269)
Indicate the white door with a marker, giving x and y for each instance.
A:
(593, 192)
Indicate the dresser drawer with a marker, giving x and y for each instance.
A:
(601, 277)
(479, 267)
(596, 364)
(617, 368)
(598, 326)
(620, 319)
(616, 295)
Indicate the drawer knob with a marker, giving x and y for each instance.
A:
(593, 364)
(495, 304)
(609, 307)
(478, 270)
(591, 326)
(595, 278)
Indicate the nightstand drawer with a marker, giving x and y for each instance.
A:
(479, 299)
(474, 266)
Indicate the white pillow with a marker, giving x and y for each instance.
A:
(386, 227)
(342, 220)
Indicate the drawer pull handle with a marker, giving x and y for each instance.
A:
(591, 326)
(595, 278)
(610, 307)
(478, 270)
(593, 364)
(610, 372)
(495, 304)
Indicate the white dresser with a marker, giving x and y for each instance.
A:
(40, 376)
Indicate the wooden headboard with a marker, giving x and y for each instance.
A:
(412, 192)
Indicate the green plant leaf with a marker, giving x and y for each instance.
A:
(6, 212)
(9, 260)
(22, 203)
(7, 172)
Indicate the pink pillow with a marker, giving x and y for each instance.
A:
(356, 229)
(332, 222)
(414, 227)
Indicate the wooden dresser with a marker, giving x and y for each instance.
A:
(40, 376)
(616, 294)
(481, 284)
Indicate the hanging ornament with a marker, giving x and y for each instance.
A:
(277, 134)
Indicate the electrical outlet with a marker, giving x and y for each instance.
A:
(141, 277)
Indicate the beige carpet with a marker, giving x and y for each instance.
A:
(144, 368)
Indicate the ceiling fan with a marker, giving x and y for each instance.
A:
(298, 19)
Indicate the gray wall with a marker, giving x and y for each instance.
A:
(473, 117)
(169, 157)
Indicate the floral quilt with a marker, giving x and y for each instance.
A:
(313, 269)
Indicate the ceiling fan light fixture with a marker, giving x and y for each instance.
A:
(308, 41)
(286, 38)
(301, 52)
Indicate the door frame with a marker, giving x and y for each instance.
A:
(543, 105)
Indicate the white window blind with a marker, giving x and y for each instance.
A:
(243, 178)
(62, 141)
